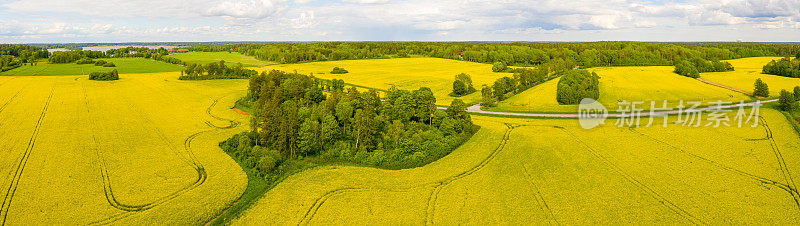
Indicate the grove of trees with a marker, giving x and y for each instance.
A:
(293, 120)
(104, 76)
(462, 85)
(784, 67)
(575, 85)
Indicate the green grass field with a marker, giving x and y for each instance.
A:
(139, 150)
(746, 72)
(208, 57)
(405, 73)
(518, 171)
(646, 84)
(123, 65)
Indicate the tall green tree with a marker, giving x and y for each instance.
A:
(761, 88)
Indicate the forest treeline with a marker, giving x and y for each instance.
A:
(293, 118)
(590, 54)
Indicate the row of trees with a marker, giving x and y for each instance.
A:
(692, 68)
(215, 70)
(783, 67)
(293, 119)
(575, 85)
(523, 79)
(62, 57)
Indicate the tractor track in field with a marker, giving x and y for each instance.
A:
(661, 199)
(23, 160)
(438, 186)
(2, 108)
(539, 198)
(202, 175)
(311, 212)
(782, 163)
(761, 179)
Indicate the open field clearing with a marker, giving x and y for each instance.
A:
(518, 171)
(140, 150)
(405, 73)
(208, 57)
(654, 83)
(123, 65)
(747, 70)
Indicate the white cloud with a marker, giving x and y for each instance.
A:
(247, 8)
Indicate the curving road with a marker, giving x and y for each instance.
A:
(477, 109)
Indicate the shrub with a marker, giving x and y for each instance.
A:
(99, 63)
(576, 85)
(338, 70)
(761, 89)
(104, 76)
(84, 61)
(109, 64)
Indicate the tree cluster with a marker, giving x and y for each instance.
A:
(294, 119)
(692, 68)
(787, 101)
(523, 79)
(575, 85)
(462, 85)
(215, 70)
(338, 70)
(783, 67)
(761, 89)
(104, 76)
(13, 56)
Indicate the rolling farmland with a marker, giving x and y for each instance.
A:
(141, 149)
(405, 73)
(123, 65)
(517, 171)
(747, 70)
(655, 83)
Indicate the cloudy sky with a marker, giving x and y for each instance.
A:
(48, 21)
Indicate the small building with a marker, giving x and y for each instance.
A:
(132, 52)
(182, 50)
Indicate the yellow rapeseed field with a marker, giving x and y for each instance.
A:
(405, 73)
(523, 171)
(657, 83)
(745, 73)
(140, 150)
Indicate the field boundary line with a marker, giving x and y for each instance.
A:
(12, 187)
